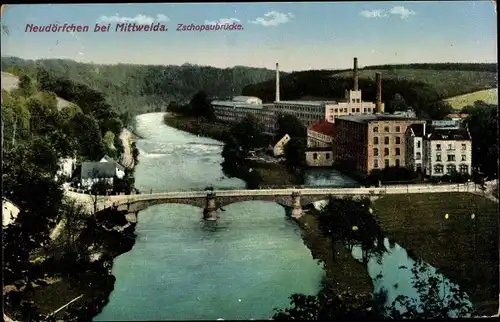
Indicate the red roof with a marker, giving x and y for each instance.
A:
(323, 127)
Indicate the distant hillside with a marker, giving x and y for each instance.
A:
(144, 88)
(10, 82)
(421, 87)
(489, 96)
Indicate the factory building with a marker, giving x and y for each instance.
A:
(368, 142)
(353, 103)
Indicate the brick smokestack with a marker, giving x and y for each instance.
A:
(355, 74)
(277, 82)
(379, 92)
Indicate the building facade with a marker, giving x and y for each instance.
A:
(319, 157)
(320, 134)
(93, 172)
(368, 142)
(447, 151)
(233, 112)
(120, 170)
(414, 146)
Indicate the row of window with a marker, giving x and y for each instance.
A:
(387, 163)
(315, 156)
(451, 147)
(451, 157)
(386, 140)
(386, 151)
(451, 168)
(353, 110)
(386, 129)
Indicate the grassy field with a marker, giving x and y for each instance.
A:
(489, 96)
(444, 82)
(465, 250)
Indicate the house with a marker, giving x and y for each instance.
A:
(10, 211)
(319, 144)
(447, 151)
(279, 147)
(414, 146)
(93, 172)
(120, 170)
(66, 168)
(369, 142)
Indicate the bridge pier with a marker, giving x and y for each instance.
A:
(296, 205)
(210, 211)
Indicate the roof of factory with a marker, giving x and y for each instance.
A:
(240, 105)
(242, 98)
(375, 117)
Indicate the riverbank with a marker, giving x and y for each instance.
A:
(105, 236)
(341, 269)
(462, 246)
(256, 175)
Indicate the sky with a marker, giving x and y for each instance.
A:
(299, 36)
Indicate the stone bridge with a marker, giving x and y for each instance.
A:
(211, 201)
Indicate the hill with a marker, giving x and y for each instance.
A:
(489, 96)
(422, 86)
(11, 82)
(145, 88)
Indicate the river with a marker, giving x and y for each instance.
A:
(242, 267)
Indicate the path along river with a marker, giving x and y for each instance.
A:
(183, 269)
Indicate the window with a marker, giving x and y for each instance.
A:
(398, 151)
(386, 152)
(438, 147)
(438, 158)
(418, 156)
(450, 147)
(386, 129)
(464, 168)
(375, 163)
(328, 156)
(358, 100)
(315, 156)
(438, 168)
(418, 144)
(398, 163)
(375, 129)
(398, 128)
(451, 157)
(398, 140)
(464, 157)
(450, 168)
(464, 146)
(375, 140)
(387, 163)
(375, 152)
(386, 140)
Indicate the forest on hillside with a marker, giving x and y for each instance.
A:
(145, 88)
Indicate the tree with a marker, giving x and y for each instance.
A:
(87, 130)
(74, 215)
(482, 123)
(398, 103)
(295, 153)
(200, 106)
(291, 125)
(247, 134)
(26, 86)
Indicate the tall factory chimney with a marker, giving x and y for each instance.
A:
(355, 73)
(379, 92)
(277, 82)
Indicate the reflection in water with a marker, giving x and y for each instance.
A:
(391, 273)
(328, 177)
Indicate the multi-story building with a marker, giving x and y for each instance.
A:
(369, 142)
(320, 136)
(241, 106)
(447, 151)
(414, 146)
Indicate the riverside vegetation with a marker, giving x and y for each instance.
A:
(40, 275)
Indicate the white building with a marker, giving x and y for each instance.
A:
(320, 138)
(120, 170)
(10, 211)
(447, 151)
(66, 168)
(251, 100)
(414, 146)
(93, 172)
(279, 147)
(233, 112)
